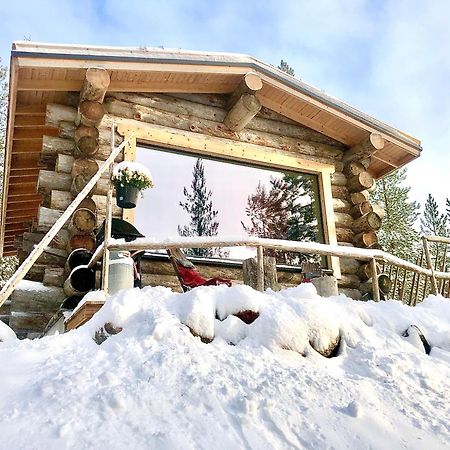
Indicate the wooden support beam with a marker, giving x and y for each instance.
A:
(243, 104)
(246, 107)
(251, 83)
(366, 148)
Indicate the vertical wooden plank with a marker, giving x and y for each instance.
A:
(375, 287)
(108, 221)
(129, 155)
(430, 265)
(260, 268)
(326, 199)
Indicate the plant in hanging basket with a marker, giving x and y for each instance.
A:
(130, 178)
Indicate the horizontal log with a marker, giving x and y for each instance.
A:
(46, 218)
(359, 197)
(52, 146)
(83, 221)
(366, 239)
(86, 140)
(340, 192)
(176, 105)
(26, 324)
(32, 296)
(379, 209)
(80, 181)
(86, 167)
(343, 220)
(55, 114)
(338, 179)
(60, 200)
(90, 113)
(49, 180)
(366, 147)
(360, 209)
(64, 163)
(344, 234)
(217, 129)
(353, 168)
(361, 182)
(341, 205)
(348, 280)
(349, 265)
(31, 239)
(36, 272)
(54, 276)
(354, 294)
(369, 222)
(77, 241)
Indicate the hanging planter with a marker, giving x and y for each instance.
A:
(129, 179)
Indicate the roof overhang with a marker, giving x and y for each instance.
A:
(45, 73)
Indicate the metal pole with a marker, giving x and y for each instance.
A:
(108, 221)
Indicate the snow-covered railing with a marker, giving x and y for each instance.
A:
(373, 256)
(20, 273)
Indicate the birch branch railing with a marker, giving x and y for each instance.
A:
(20, 273)
(261, 243)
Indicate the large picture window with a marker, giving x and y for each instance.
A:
(204, 197)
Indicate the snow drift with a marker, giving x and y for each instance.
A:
(258, 385)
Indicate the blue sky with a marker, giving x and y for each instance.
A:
(390, 59)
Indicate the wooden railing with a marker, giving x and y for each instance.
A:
(23, 269)
(373, 256)
(411, 286)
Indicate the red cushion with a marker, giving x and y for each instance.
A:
(191, 278)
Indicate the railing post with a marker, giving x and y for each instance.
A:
(375, 286)
(430, 265)
(259, 268)
(108, 221)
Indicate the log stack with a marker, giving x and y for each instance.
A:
(69, 160)
(357, 219)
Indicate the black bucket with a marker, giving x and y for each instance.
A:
(126, 196)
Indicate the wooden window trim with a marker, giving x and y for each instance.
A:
(198, 144)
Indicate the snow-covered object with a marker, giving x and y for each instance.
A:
(6, 334)
(133, 173)
(156, 385)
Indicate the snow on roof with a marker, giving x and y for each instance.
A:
(155, 385)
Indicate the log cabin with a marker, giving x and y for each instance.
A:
(64, 98)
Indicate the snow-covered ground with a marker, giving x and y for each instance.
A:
(156, 386)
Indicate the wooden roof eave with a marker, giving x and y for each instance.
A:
(13, 73)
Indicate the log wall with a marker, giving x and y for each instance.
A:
(83, 142)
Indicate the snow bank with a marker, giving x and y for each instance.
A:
(6, 334)
(156, 385)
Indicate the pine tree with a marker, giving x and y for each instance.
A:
(285, 67)
(7, 264)
(397, 234)
(199, 206)
(433, 222)
(283, 211)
